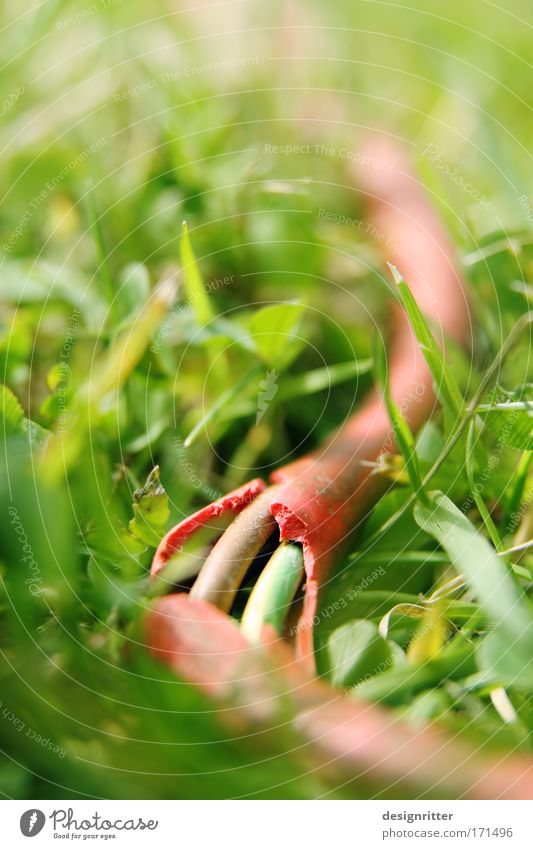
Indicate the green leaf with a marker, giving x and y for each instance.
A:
(509, 416)
(322, 378)
(150, 510)
(11, 412)
(14, 423)
(41, 281)
(446, 386)
(356, 652)
(429, 705)
(399, 684)
(274, 330)
(490, 578)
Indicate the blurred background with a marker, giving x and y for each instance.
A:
(119, 120)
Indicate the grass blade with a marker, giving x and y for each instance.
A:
(300, 385)
(402, 431)
(488, 575)
(476, 494)
(221, 402)
(95, 221)
(192, 279)
(201, 306)
(446, 385)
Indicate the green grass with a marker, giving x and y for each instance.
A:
(124, 339)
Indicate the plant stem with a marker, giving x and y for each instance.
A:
(525, 321)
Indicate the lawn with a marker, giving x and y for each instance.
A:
(192, 295)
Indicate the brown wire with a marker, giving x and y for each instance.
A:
(224, 569)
